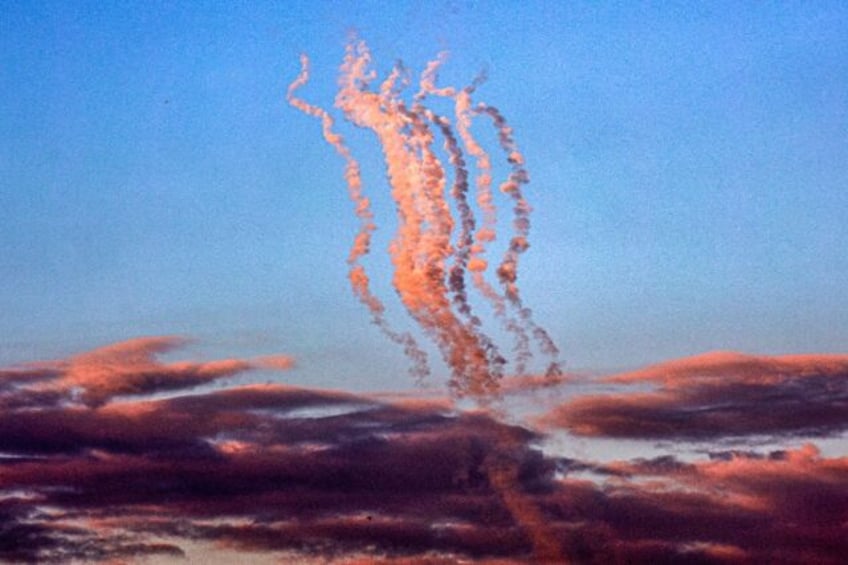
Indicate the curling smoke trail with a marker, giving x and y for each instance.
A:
(433, 253)
(459, 192)
(422, 244)
(508, 269)
(476, 262)
(456, 277)
(501, 467)
(357, 275)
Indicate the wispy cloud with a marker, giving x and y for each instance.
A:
(122, 369)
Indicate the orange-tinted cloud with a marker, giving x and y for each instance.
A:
(717, 395)
(122, 369)
(784, 507)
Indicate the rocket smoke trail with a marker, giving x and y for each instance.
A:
(362, 242)
(459, 191)
(422, 244)
(433, 253)
(508, 269)
(456, 278)
(476, 262)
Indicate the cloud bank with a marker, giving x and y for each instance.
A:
(97, 466)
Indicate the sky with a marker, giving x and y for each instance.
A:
(188, 373)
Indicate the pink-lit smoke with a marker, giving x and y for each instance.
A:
(440, 243)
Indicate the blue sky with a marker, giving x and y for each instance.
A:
(687, 170)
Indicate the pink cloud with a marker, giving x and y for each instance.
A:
(126, 368)
(717, 366)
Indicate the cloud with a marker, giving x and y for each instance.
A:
(785, 508)
(124, 368)
(534, 383)
(717, 395)
(330, 475)
(31, 536)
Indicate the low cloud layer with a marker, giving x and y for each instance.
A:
(96, 469)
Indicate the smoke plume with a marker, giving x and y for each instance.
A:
(443, 232)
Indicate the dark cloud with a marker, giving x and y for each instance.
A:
(718, 395)
(788, 509)
(355, 478)
(28, 535)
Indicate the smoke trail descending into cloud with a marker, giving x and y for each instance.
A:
(433, 253)
(462, 254)
(477, 263)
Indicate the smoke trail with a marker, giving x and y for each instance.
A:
(459, 192)
(508, 269)
(462, 255)
(477, 264)
(429, 267)
(357, 275)
(422, 243)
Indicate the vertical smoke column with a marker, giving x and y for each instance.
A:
(476, 263)
(459, 192)
(462, 255)
(487, 233)
(422, 244)
(357, 275)
(508, 269)
(422, 247)
(502, 469)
